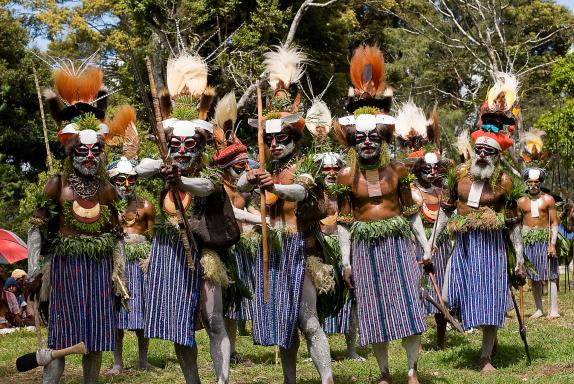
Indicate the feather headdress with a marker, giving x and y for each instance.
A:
(188, 98)
(123, 133)
(463, 146)
(284, 65)
(318, 115)
(502, 96)
(410, 121)
(533, 146)
(367, 72)
(226, 112)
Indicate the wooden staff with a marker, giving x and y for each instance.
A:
(184, 230)
(263, 203)
(48, 152)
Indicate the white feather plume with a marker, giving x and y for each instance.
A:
(389, 92)
(463, 145)
(284, 64)
(226, 109)
(186, 75)
(506, 84)
(318, 115)
(410, 117)
(532, 140)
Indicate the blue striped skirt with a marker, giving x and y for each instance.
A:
(387, 282)
(478, 281)
(537, 253)
(276, 322)
(439, 260)
(339, 323)
(82, 303)
(133, 319)
(245, 261)
(172, 293)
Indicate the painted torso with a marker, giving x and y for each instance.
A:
(546, 202)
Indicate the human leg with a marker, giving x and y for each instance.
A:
(118, 358)
(351, 335)
(537, 294)
(211, 303)
(289, 361)
(53, 371)
(187, 357)
(440, 330)
(143, 346)
(489, 333)
(381, 351)
(91, 363)
(411, 345)
(554, 314)
(317, 342)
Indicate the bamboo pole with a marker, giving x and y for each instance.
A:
(265, 246)
(46, 142)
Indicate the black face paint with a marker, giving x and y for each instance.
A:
(184, 150)
(368, 145)
(281, 144)
(487, 150)
(86, 158)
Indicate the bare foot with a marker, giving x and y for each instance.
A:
(116, 370)
(485, 365)
(553, 316)
(354, 356)
(536, 315)
(145, 366)
(386, 378)
(413, 378)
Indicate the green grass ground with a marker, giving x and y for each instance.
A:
(551, 346)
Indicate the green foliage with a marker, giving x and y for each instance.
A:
(373, 230)
(561, 79)
(95, 227)
(517, 191)
(96, 247)
(365, 111)
(536, 235)
(138, 251)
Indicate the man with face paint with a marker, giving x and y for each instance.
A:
(175, 289)
(376, 221)
(233, 160)
(427, 190)
(292, 293)
(477, 280)
(80, 281)
(137, 220)
(539, 234)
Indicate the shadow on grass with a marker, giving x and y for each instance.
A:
(267, 357)
(506, 355)
(453, 339)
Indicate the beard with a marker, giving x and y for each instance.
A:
(330, 180)
(282, 151)
(483, 171)
(86, 167)
(374, 151)
(185, 161)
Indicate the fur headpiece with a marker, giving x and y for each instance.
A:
(187, 100)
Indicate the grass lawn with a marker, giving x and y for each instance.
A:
(551, 345)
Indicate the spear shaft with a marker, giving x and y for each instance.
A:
(265, 246)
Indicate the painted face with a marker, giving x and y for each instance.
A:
(281, 144)
(184, 151)
(86, 158)
(533, 187)
(484, 160)
(124, 185)
(236, 170)
(330, 172)
(368, 145)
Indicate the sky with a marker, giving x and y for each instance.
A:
(42, 43)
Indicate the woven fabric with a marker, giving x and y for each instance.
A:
(339, 323)
(245, 267)
(173, 293)
(537, 253)
(82, 303)
(133, 318)
(478, 281)
(387, 282)
(275, 322)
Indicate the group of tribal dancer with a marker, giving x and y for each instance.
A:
(361, 211)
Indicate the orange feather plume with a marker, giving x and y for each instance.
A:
(82, 87)
(125, 115)
(368, 70)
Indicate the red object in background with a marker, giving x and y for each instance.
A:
(12, 248)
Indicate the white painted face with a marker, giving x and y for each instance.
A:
(86, 156)
(280, 144)
(484, 160)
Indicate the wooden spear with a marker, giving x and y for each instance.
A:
(48, 153)
(157, 126)
(265, 246)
